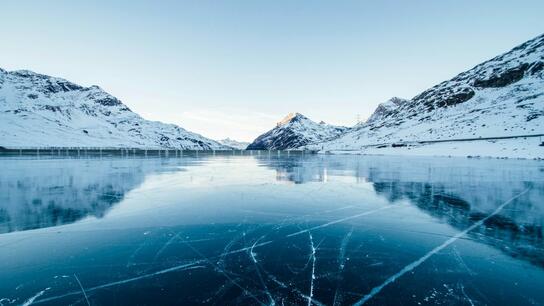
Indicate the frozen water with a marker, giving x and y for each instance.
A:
(269, 229)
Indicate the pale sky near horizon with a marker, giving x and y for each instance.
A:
(235, 68)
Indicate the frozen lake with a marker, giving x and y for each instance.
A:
(313, 229)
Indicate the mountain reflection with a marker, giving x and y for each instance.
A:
(47, 193)
(458, 192)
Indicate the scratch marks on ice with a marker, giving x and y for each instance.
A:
(437, 249)
(253, 256)
(188, 266)
(366, 213)
(34, 297)
(82, 290)
(312, 257)
(341, 265)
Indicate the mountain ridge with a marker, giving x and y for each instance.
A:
(37, 110)
(503, 96)
(293, 131)
(234, 144)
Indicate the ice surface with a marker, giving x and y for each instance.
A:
(314, 229)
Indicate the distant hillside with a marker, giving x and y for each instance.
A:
(500, 97)
(231, 143)
(295, 131)
(38, 110)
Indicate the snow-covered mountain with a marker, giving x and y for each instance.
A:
(231, 143)
(41, 111)
(294, 131)
(503, 96)
(386, 109)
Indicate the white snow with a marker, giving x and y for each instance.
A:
(500, 97)
(461, 109)
(296, 130)
(42, 111)
(235, 144)
(501, 148)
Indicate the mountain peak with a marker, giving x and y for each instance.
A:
(396, 101)
(235, 144)
(24, 72)
(291, 117)
(294, 131)
(386, 108)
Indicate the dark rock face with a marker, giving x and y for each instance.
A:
(67, 86)
(464, 95)
(108, 101)
(52, 85)
(534, 115)
(286, 140)
(536, 68)
(53, 108)
(437, 98)
(506, 78)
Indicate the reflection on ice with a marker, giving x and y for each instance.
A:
(235, 230)
(44, 193)
(460, 194)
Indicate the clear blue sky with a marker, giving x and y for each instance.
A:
(234, 68)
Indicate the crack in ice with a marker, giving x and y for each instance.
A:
(343, 219)
(224, 272)
(82, 290)
(33, 298)
(437, 249)
(310, 297)
(254, 259)
(183, 267)
(341, 263)
(465, 294)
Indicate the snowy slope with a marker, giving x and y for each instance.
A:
(231, 143)
(500, 97)
(386, 109)
(294, 131)
(41, 111)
